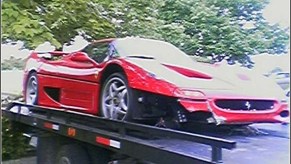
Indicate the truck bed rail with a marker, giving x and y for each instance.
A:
(158, 145)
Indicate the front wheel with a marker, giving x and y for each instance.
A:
(116, 98)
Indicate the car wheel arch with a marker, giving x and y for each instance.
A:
(31, 71)
(110, 69)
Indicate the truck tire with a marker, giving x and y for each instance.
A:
(99, 155)
(46, 146)
(72, 154)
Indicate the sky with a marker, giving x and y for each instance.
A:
(278, 11)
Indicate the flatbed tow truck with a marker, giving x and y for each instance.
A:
(67, 137)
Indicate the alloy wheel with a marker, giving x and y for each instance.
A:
(115, 99)
(31, 91)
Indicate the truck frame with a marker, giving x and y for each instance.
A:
(68, 137)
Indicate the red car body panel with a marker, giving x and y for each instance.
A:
(79, 80)
(142, 80)
(80, 87)
(75, 94)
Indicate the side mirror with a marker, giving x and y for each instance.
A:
(83, 58)
(80, 57)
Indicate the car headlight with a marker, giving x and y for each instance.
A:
(187, 93)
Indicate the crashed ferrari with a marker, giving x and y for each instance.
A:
(137, 79)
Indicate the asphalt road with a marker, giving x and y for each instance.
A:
(270, 146)
(26, 160)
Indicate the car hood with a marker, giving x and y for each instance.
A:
(212, 80)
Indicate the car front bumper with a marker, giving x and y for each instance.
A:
(278, 114)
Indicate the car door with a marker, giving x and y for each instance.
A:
(79, 86)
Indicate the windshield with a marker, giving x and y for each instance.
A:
(162, 51)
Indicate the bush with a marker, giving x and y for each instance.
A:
(13, 142)
(13, 63)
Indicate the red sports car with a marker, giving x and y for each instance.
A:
(143, 79)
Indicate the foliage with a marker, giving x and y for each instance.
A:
(55, 21)
(264, 37)
(134, 17)
(201, 59)
(217, 28)
(13, 145)
(18, 23)
(12, 63)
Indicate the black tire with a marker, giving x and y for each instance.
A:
(72, 154)
(98, 155)
(46, 148)
(31, 90)
(120, 80)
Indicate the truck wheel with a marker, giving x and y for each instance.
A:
(99, 155)
(46, 148)
(72, 154)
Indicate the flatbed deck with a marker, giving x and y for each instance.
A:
(270, 145)
(146, 143)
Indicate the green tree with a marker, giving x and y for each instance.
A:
(215, 28)
(134, 17)
(56, 21)
(263, 37)
(18, 23)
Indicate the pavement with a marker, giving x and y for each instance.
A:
(270, 146)
(11, 81)
(25, 160)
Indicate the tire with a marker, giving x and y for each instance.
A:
(72, 154)
(117, 98)
(31, 90)
(98, 155)
(46, 148)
